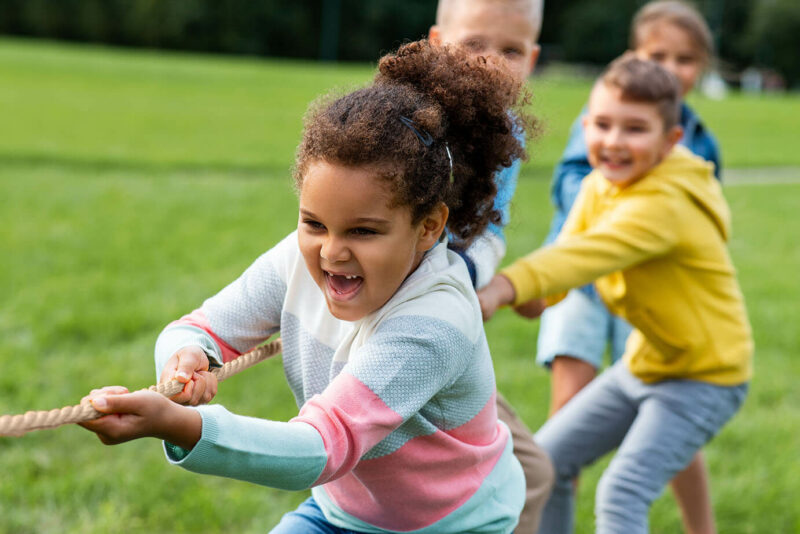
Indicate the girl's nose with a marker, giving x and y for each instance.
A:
(334, 250)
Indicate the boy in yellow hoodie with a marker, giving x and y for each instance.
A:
(649, 227)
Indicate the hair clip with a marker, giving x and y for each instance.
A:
(450, 159)
(422, 135)
(427, 140)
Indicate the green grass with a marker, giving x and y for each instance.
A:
(82, 105)
(118, 169)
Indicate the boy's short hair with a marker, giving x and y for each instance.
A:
(532, 8)
(645, 81)
(678, 13)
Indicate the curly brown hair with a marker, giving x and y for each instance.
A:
(424, 101)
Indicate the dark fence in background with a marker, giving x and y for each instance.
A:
(764, 33)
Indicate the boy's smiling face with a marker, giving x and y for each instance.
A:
(357, 245)
(491, 29)
(625, 139)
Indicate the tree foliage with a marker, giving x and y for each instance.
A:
(747, 32)
(774, 37)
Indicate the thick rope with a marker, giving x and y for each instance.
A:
(17, 425)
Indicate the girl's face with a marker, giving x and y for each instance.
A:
(673, 48)
(358, 247)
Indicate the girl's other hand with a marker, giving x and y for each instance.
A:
(498, 292)
(141, 414)
(190, 366)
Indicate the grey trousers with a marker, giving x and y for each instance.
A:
(658, 428)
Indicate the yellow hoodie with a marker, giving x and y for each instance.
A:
(657, 254)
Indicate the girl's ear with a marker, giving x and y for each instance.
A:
(432, 226)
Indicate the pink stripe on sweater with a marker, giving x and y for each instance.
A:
(198, 318)
(413, 487)
(351, 420)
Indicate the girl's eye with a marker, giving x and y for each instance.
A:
(686, 60)
(601, 125)
(313, 225)
(363, 231)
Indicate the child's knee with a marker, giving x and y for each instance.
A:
(625, 491)
(562, 465)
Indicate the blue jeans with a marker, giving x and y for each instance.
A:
(658, 428)
(307, 519)
(581, 326)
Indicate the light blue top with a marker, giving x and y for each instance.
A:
(485, 253)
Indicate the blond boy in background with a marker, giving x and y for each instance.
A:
(508, 29)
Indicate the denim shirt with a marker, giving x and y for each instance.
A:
(574, 166)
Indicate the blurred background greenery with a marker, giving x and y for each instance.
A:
(749, 33)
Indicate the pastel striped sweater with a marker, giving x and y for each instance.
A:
(397, 430)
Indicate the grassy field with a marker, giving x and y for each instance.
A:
(117, 168)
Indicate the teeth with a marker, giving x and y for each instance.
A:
(347, 276)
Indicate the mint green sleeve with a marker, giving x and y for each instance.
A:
(288, 456)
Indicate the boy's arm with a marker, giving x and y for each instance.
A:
(483, 256)
(638, 229)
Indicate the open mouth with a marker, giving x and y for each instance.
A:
(615, 162)
(343, 286)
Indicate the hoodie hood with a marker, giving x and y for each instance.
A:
(695, 177)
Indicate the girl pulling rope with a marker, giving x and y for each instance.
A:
(384, 346)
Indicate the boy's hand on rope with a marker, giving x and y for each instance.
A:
(531, 309)
(190, 366)
(498, 292)
(141, 414)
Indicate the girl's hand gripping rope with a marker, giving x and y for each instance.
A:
(141, 414)
(190, 365)
(142, 405)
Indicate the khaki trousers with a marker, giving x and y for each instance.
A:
(536, 465)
